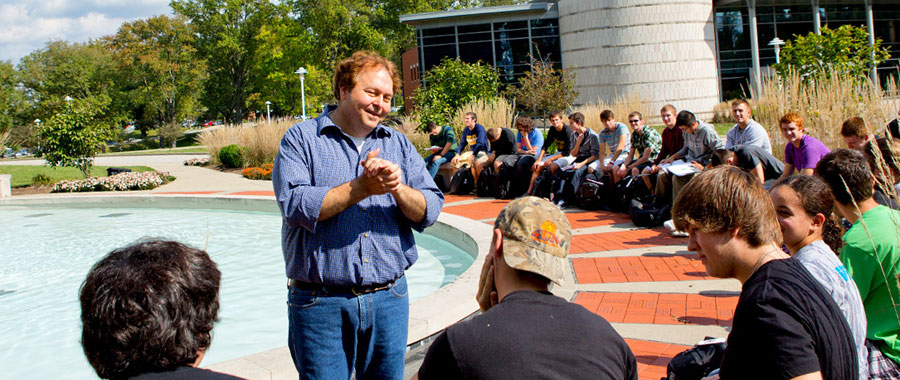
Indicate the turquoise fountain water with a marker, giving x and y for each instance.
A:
(46, 253)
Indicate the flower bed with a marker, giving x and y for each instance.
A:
(264, 172)
(196, 162)
(118, 182)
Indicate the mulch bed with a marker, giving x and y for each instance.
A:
(31, 190)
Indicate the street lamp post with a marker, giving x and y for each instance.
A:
(776, 43)
(38, 123)
(268, 113)
(302, 73)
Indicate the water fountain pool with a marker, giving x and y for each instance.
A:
(47, 251)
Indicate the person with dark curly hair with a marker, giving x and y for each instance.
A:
(147, 311)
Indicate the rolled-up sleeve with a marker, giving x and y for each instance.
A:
(420, 180)
(300, 202)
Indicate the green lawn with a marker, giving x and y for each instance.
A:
(22, 174)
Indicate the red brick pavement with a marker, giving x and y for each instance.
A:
(611, 241)
(653, 357)
(660, 309)
(638, 269)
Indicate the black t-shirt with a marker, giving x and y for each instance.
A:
(787, 325)
(505, 144)
(563, 139)
(748, 156)
(530, 335)
(186, 373)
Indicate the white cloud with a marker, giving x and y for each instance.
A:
(29, 24)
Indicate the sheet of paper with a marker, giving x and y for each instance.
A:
(682, 170)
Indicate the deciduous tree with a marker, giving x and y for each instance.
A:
(545, 88)
(843, 49)
(75, 134)
(452, 84)
(226, 33)
(157, 56)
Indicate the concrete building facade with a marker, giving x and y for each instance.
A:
(691, 53)
(663, 50)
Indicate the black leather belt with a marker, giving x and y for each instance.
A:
(355, 289)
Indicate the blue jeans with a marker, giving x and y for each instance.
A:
(330, 335)
(434, 165)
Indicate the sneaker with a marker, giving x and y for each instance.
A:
(670, 225)
(562, 204)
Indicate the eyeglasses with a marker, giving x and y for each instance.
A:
(634, 121)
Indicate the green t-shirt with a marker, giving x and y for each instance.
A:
(873, 264)
(446, 135)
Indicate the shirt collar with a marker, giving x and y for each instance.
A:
(324, 123)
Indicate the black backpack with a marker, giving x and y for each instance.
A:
(647, 213)
(543, 185)
(485, 186)
(503, 182)
(587, 196)
(462, 182)
(441, 183)
(697, 362)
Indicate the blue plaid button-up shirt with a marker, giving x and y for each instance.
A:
(371, 242)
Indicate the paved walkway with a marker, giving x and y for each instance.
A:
(655, 294)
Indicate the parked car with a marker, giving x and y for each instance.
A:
(23, 153)
(6, 152)
(209, 123)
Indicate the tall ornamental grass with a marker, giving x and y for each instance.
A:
(259, 143)
(824, 104)
(621, 107)
(411, 126)
(491, 112)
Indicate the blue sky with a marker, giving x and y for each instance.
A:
(27, 25)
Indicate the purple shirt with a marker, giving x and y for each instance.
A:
(807, 155)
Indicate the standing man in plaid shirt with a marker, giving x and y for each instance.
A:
(351, 191)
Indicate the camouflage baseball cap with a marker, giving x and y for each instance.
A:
(536, 237)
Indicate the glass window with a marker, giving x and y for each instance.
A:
(788, 31)
(438, 32)
(472, 33)
(510, 30)
(441, 40)
(472, 37)
(736, 86)
(478, 51)
(545, 23)
(432, 55)
(544, 32)
(511, 52)
(547, 48)
(438, 36)
(473, 28)
(733, 37)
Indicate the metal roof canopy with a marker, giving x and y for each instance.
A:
(482, 14)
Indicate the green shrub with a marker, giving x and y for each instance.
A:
(230, 156)
(41, 179)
